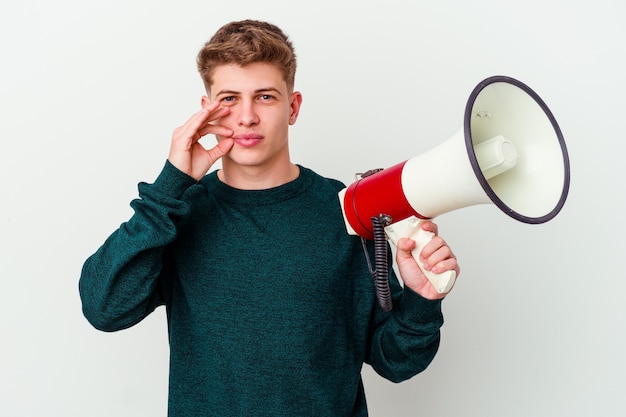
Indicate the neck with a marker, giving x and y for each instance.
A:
(257, 178)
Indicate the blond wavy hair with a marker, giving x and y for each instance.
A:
(246, 42)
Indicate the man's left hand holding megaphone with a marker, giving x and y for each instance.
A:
(435, 257)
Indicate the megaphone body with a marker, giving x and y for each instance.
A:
(510, 152)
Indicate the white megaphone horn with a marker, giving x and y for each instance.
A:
(510, 152)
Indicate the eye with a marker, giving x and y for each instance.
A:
(266, 97)
(228, 100)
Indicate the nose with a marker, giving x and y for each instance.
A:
(247, 114)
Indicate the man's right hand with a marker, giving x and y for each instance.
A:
(187, 154)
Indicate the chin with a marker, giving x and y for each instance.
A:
(243, 159)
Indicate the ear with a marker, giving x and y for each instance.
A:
(205, 101)
(296, 102)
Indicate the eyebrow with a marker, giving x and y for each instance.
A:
(257, 91)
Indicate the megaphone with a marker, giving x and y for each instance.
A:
(510, 152)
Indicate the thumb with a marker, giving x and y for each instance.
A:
(222, 148)
(405, 246)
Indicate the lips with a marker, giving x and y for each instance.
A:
(248, 139)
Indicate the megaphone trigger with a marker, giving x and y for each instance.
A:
(411, 228)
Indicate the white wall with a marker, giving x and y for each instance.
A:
(91, 91)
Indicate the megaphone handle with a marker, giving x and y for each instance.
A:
(442, 282)
(412, 229)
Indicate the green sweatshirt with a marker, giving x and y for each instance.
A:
(270, 306)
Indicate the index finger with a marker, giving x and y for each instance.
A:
(429, 226)
(198, 125)
(215, 128)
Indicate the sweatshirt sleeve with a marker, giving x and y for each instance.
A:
(405, 340)
(121, 283)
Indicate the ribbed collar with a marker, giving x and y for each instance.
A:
(267, 196)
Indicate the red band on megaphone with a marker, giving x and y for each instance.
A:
(376, 194)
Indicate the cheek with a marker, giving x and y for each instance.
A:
(227, 121)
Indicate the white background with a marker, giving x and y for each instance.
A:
(91, 91)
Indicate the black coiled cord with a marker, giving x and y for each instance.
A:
(380, 275)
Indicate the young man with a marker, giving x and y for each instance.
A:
(270, 306)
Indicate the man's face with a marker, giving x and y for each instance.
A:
(261, 110)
